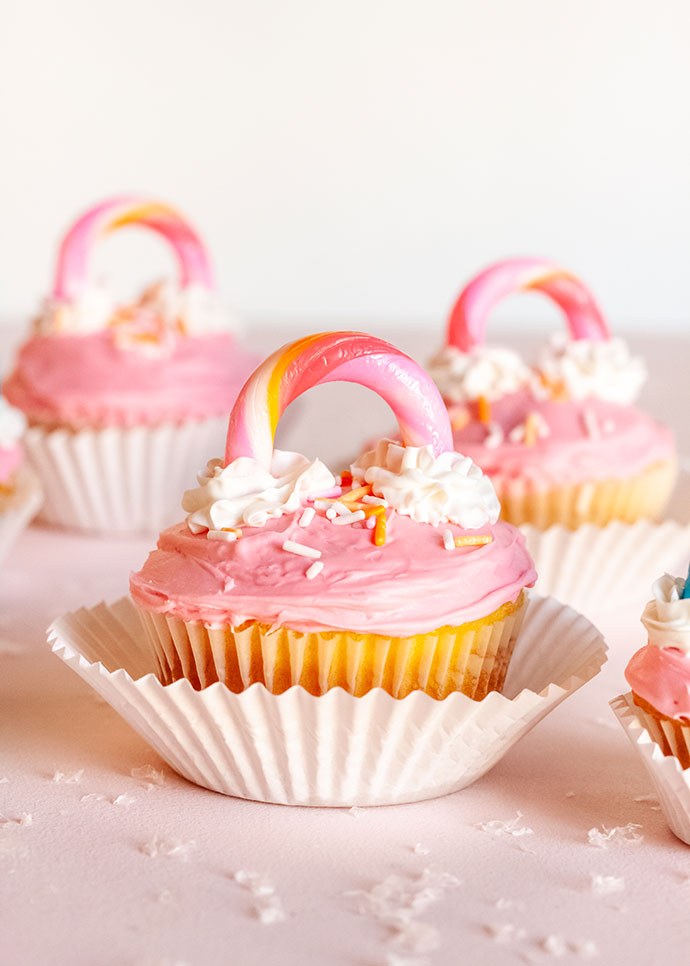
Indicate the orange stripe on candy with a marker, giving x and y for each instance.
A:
(274, 383)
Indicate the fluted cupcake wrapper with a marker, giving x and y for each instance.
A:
(334, 749)
(470, 658)
(18, 508)
(658, 747)
(120, 480)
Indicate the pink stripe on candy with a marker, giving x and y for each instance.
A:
(75, 250)
(468, 319)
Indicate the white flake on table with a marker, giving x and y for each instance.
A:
(605, 885)
(268, 907)
(91, 797)
(556, 946)
(503, 829)
(123, 799)
(356, 811)
(505, 933)
(170, 848)
(503, 903)
(585, 948)
(68, 778)
(623, 834)
(147, 773)
(420, 849)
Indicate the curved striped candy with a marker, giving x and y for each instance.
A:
(73, 258)
(467, 322)
(336, 357)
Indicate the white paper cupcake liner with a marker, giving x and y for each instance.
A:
(117, 480)
(20, 510)
(335, 749)
(595, 569)
(671, 782)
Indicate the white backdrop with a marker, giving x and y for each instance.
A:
(356, 161)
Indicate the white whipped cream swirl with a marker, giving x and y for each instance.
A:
(602, 368)
(490, 371)
(12, 424)
(244, 493)
(449, 488)
(667, 617)
(192, 310)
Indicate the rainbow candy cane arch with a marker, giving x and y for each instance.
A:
(336, 357)
(467, 323)
(73, 258)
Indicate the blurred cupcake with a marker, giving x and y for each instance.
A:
(124, 399)
(20, 492)
(397, 575)
(561, 440)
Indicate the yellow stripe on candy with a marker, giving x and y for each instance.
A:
(273, 389)
(141, 212)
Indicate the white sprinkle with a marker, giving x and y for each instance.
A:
(517, 434)
(314, 570)
(591, 424)
(331, 514)
(371, 522)
(340, 508)
(301, 550)
(196, 527)
(227, 535)
(494, 437)
(323, 504)
(65, 778)
(307, 516)
(448, 541)
(626, 834)
(374, 500)
(344, 520)
(604, 885)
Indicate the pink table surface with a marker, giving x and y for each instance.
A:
(84, 874)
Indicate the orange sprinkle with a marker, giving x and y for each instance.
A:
(531, 429)
(373, 508)
(380, 530)
(459, 419)
(346, 478)
(356, 494)
(479, 541)
(484, 408)
(238, 533)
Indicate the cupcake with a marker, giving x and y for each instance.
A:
(659, 673)
(560, 439)
(123, 399)
(396, 575)
(20, 493)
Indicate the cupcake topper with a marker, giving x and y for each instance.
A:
(467, 323)
(73, 258)
(333, 357)
(686, 588)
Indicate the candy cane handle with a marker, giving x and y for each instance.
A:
(468, 319)
(331, 357)
(72, 268)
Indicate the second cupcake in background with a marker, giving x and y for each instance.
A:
(124, 400)
(20, 492)
(561, 440)
(397, 575)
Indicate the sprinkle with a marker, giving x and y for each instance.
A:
(323, 504)
(331, 513)
(484, 409)
(448, 541)
(307, 516)
(314, 570)
(380, 530)
(531, 430)
(228, 535)
(375, 500)
(358, 493)
(517, 433)
(299, 548)
(494, 436)
(459, 419)
(345, 478)
(335, 491)
(591, 424)
(371, 522)
(345, 519)
(340, 508)
(375, 510)
(480, 540)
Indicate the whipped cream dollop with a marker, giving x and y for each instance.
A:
(244, 493)
(667, 617)
(449, 488)
(489, 371)
(604, 368)
(12, 424)
(164, 307)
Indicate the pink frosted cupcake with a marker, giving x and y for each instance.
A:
(561, 440)
(20, 493)
(124, 400)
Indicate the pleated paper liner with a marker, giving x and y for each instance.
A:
(472, 658)
(120, 480)
(335, 749)
(596, 569)
(18, 506)
(657, 747)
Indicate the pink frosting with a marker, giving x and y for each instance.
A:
(410, 585)
(87, 380)
(627, 441)
(661, 677)
(10, 458)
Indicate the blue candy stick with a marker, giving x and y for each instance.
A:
(686, 589)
